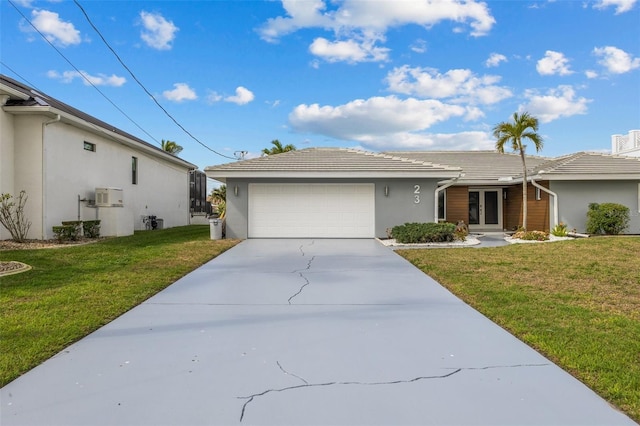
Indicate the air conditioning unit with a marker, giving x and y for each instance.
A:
(109, 197)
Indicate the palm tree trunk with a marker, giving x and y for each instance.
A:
(524, 191)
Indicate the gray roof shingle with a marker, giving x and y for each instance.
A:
(331, 162)
(478, 166)
(591, 164)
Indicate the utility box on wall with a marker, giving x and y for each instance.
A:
(109, 197)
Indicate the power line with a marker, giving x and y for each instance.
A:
(80, 72)
(143, 87)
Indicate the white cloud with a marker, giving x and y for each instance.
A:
(181, 92)
(557, 103)
(463, 141)
(97, 80)
(591, 74)
(53, 28)
(459, 85)
(243, 96)
(615, 60)
(364, 120)
(621, 6)
(495, 59)
(213, 97)
(157, 32)
(420, 46)
(358, 25)
(553, 63)
(349, 51)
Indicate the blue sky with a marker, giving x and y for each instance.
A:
(377, 75)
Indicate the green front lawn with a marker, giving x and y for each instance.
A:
(72, 291)
(577, 302)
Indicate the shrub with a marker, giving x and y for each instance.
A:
(66, 232)
(531, 235)
(74, 233)
(91, 228)
(560, 230)
(607, 218)
(12, 216)
(417, 233)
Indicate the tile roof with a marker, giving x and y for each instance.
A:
(591, 164)
(477, 166)
(33, 98)
(332, 162)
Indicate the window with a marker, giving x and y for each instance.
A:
(134, 170)
(198, 192)
(88, 146)
(442, 202)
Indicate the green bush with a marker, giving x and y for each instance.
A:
(66, 232)
(417, 233)
(607, 218)
(75, 233)
(91, 228)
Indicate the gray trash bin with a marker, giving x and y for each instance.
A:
(215, 228)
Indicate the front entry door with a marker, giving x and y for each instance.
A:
(485, 209)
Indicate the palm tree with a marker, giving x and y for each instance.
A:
(171, 147)
(524, 126)
(219, 198)
(278, 148)
(219, 194)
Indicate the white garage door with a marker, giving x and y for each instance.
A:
(311, 210)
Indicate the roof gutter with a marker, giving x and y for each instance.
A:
(553, 194)
(437, 192)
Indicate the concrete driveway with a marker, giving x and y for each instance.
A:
(302, 332)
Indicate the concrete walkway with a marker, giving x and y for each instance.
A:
(302, 332)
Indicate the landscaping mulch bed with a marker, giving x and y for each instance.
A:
(42, 244)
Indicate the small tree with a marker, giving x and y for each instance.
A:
(12, 216)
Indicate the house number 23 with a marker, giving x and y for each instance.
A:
(416, 194)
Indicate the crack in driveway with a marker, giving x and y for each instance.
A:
(300, 272)
(306, 384)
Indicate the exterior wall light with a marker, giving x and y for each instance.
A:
(386, 191)
(235, 190)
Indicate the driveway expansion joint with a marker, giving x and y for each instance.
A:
(455, 370)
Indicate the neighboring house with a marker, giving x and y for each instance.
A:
(626, 144)
(340, 193)
(76, 167)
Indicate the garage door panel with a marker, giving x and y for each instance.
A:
(311, 210)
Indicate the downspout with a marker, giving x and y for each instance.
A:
(555, 200)
(44, 177)
(437, 192)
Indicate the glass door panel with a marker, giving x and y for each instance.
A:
(474, 208)
(491, 208)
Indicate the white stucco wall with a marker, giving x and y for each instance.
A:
(27, 168)
(72, 171)
(6, 160)
(574, 198)
(54, 169)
